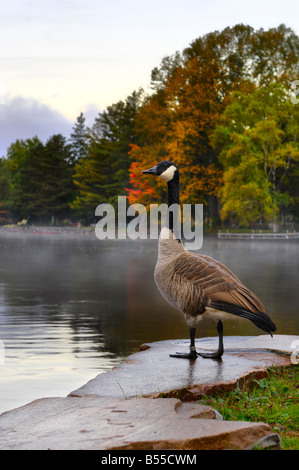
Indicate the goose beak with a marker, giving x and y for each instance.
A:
(151, 171)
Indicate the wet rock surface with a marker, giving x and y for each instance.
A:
(152, 372)
(120, 409)
(103, 423)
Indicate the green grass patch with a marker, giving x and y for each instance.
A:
(272, 400)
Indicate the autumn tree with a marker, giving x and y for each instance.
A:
(174, 126)
(191, 91)
(258, 145)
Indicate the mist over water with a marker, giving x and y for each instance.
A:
(72, 307)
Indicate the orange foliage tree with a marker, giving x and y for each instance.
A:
(190, 92)
(143, 190)
(175, 124)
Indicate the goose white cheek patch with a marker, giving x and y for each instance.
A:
(167, 175)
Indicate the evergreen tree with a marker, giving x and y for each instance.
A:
(104, 173)
(42, 179)
(4, 180)
(59, 187)
(78, 139)
(24, 159)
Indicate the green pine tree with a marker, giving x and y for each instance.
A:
(42, 186)
(78, 139)
(103, 174)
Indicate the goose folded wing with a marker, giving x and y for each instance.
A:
(222, 290)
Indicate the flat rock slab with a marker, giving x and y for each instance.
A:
(111, 411)
(94, 423)
(151, 372)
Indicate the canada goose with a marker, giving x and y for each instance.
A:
(197, 285)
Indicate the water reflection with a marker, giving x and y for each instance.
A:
(74, 307)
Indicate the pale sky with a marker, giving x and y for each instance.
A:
(61, 57)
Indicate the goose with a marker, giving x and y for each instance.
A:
(198, 285)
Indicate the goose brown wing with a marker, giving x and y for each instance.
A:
(221, 289)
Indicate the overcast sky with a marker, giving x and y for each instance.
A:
(61, 57)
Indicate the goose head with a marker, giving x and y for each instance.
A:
(165, 170)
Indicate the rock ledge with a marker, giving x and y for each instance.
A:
(117, 409)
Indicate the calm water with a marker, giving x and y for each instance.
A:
(71, 308)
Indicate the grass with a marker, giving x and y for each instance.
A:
(272, 400)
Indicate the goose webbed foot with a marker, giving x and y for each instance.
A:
(193, 353)
(213, 355)
(190, 355)
(217, 354)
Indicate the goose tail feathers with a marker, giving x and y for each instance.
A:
(260, 319)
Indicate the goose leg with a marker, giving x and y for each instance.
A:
(217, 354)
(192, 354)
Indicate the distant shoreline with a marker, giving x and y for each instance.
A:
(89, 231)
(47, 230)
(256, 235)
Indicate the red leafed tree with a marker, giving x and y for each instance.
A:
(3, 220)
(143, 190)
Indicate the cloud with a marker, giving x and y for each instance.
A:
(23, 118)
(91, 112)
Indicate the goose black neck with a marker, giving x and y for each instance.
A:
(174, 189)
(173, 196)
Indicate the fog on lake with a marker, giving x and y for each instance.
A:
(72, 307)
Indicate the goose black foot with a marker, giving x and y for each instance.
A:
(193, 353)
(217, 354)
(190, 355)
(213, 355)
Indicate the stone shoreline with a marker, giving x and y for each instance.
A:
(150, 401)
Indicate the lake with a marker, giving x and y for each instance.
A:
(72, 306)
